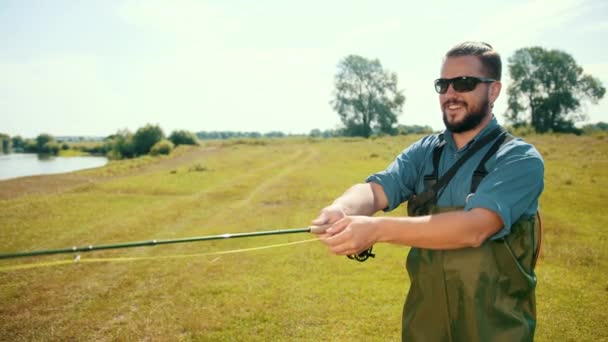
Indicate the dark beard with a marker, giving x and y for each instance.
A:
(470, 121)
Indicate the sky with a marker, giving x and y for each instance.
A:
(90, 68)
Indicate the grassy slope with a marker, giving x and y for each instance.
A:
(294, 292)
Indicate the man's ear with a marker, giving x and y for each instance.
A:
(495, 88)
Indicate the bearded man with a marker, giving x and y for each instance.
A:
(472, 194)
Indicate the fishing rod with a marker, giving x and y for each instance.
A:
(312, 229)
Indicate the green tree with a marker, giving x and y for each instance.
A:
(182, 137)
(120, 145)
(42, 140)
(315, 133)
(51, 147)
(5, 143)
(547, 90)
(18, 142)
(414, 129)
(596, 127)
(145, 137)
(366, 96)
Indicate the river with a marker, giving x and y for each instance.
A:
(29, 164)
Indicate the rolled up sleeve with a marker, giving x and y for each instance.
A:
(401, 176)
(512, 187)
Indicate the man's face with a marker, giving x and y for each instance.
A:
(464, 111)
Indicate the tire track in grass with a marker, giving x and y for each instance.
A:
(311, 155)
(240, 190)
(300, 157)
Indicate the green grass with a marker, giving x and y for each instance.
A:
(72, 153)
(297, 292)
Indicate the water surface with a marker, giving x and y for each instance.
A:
(29, 164)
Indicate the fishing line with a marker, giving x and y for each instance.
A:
(79, 259)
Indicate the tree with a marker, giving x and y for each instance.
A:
(182, 137)
(547, 90)
(414, 129)
(5, 143)
(120, 145)
(146, 137)
(274, 134)
(18, 142)
(366, 96)
(45, 143)
(42, 140)
(315, 133)
(595, 128)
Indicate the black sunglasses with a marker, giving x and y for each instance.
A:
(461, 84)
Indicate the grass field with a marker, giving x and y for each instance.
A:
(294, 292)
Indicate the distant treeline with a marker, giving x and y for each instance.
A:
(151, 139)
(316, 133)
(43, 143)
(596, 127)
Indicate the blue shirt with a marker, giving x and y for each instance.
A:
(511, 188)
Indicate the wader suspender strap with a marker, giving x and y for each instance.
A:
(447, 177)
(540, 240)
(419, 204)
(430, 180)
(481, 171)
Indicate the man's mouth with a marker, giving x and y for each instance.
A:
(454, 105)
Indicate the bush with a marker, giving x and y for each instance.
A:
(162, 147)
(521, 130)
(18, 142)
(50, 147)
(183, 137)
(5, 143)
(42, 140)
(120, 145)
(30, 146)
(145, 138)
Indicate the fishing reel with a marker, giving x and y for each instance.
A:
(361, 257)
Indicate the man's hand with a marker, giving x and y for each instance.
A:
(327, 217)
(351, 235)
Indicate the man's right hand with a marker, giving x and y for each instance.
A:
(327, 217)
(360, 199)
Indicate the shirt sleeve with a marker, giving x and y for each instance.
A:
(400, 178)
(512, 186)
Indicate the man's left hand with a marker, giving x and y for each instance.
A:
(351, 235)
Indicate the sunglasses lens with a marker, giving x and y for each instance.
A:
(441, 85)
(464, 84)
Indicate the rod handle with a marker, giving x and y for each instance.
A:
(319, 229)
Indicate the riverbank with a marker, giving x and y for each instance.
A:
(56, 183)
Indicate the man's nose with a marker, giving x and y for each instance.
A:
(450, 90)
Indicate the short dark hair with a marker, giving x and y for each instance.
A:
(490, 59)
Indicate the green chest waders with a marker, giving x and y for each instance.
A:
(472, 294)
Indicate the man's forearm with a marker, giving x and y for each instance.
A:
(443, 231)
(361, 199)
